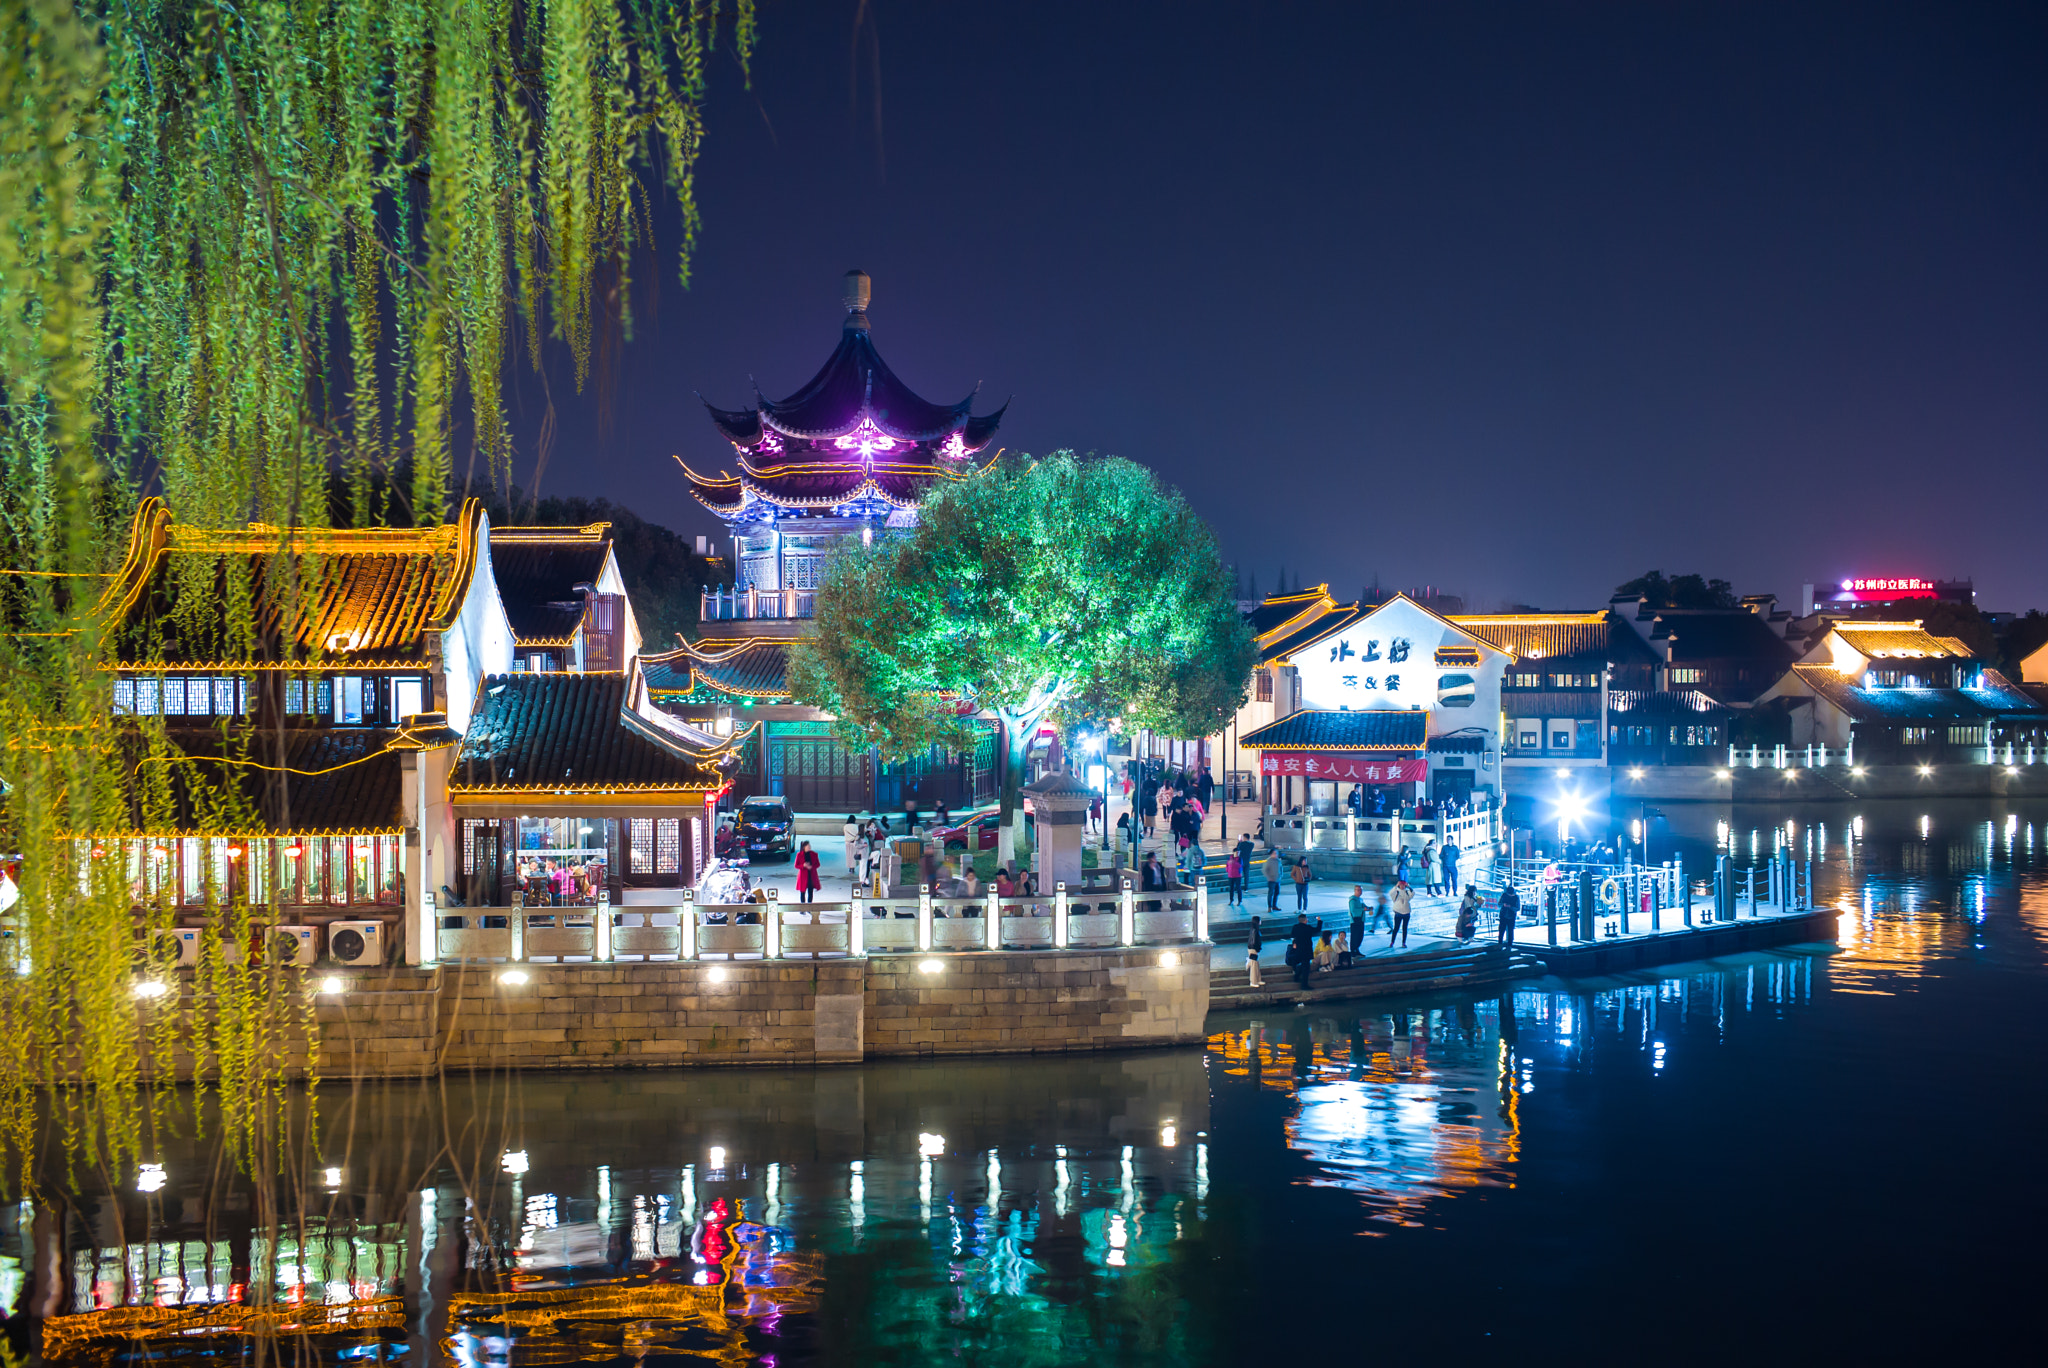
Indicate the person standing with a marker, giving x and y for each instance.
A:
(806, 873)
(1301, 878)
(851, 831)
(1149, 806)
(1357, 918)
(1254, 942)
(1468, 915)
(1301, 950)
(1510, 909)
(1401, 863)
(1194, 864)
(1233, 874)
(1451, 853)
(1401, 899)
(1244, 852)
(1205, 788)
(1432, 868)
(909, 816)
(1272, 872)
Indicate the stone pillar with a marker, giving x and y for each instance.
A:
(1059, 809)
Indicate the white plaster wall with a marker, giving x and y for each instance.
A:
(480, 642)
(1333, 673)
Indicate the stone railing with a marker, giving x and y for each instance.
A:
(1089, 917)
(1387, 834)
(749, 605)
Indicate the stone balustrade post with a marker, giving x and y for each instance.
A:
(771, 926)
(924, 916)
(856, 925)
(1059, 916)
(517, 916)
(601, 942)
(1126, 915)
(686, 928)
(1201, 910)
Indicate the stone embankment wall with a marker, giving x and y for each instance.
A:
(401, 1023)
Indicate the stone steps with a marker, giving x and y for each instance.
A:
(1421, 971)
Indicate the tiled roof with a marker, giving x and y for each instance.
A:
(1550, 702)
(1458, 743)
(1319, 730)
(1996, 699)
(1906, 640)
(1685, 705)
(1594, 637)
(1308, 632)
(572, 731)
(353, 598)
(1721, 634)
(538, 569)
(1281, 609)
(750, 667)
(347, 783)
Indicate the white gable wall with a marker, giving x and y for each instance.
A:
(1386, 661)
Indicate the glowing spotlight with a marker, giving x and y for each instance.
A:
(717, 974)
(2012, 769)
(1169, 960)
(331, 985)
(1635, 774)
(1857, 771)
(151, 988)
(512, 978)
(929, 966)
(1720, 774)
(1926, 770)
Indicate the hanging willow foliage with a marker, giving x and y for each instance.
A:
(243, 245)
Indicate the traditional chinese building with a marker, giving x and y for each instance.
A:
(565, 598)
(847, 458)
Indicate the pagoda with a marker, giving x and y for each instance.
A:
(852, 453)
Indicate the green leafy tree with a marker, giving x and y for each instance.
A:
(1680, 591)
(1028, 588)
(1963, 622)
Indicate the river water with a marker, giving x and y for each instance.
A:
(1823, 1152)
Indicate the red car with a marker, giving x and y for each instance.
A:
(979, 831)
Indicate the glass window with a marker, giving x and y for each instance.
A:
(1917, 736)
(1966, 736)
(192, 872)
(174, 696)
(124, 695)
(348, 699)
(668, 845)
(641, 859)
(148, 696)
(294, 696)
(469, 845)
(302, 870)
(388, 848)
(408, 696)
(199, 697)
(361, 868)
(337, 869)
(228, 699)
(323, 698)
(1687, 675)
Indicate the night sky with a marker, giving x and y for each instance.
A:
(1513, 300)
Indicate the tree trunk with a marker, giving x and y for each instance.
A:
(1014, 741)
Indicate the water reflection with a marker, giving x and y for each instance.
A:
(1064, 1210)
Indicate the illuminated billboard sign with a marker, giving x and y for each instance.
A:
(1881, 588)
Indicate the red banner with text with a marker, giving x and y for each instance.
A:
(1345, 769)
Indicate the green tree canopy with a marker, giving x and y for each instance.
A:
(1680, 591)
(1027, 589)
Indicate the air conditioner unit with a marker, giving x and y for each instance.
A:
(297, 946)
(359, 943)
(175, 949)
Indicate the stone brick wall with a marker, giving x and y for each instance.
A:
(405, 1023)
(1006, 1003)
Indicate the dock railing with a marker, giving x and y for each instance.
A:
(1586, 902)
(1088, 916)
(1387, 833)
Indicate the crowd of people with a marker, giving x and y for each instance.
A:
(560, 882)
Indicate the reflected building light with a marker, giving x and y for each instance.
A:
(688, 1187)
(1119, 1238)
(332, 1178)
(995, 1182)
(151, 1178)
(1127, 1180)
(1201, 1172)
(513, 1162)
(1169, 1135)
(931, 1146)
(604, 1196)
(1062, 1182)
(774, 1195)
(856, 1194)
(924, 1190)
(717, 1164)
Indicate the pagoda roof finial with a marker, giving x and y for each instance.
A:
(859, 288)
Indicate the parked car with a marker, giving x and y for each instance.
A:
(765, 828)
(978, 832)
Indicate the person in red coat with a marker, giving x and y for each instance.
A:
(806, 873)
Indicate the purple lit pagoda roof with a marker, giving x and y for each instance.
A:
(855, 439)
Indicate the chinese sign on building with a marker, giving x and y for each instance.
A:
(1345, 769)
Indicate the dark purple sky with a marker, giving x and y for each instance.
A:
(1516, 300)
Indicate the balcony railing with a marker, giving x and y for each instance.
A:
(748, 605)
(1100, 918)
